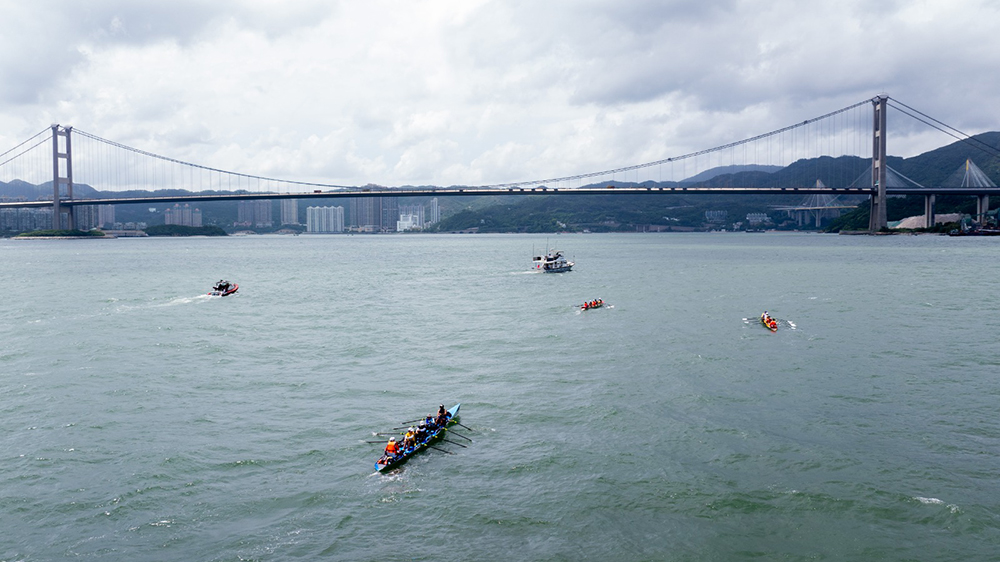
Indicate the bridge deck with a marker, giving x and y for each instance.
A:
(472, 191)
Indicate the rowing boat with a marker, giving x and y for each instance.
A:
(405, 456)
(773, 328)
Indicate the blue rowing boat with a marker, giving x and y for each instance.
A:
(405, 455)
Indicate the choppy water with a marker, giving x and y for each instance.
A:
(141, 420)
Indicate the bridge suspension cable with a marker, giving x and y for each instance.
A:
(206, 168)
(944, 127)
(26, 150)
(682, 157)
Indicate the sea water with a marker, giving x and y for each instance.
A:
(141, 419)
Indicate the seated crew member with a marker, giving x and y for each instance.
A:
(409, 439)
(391, 450)
(429, 422)
(442, 419)
(421, 433)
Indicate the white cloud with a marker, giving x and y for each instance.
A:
(456, 91)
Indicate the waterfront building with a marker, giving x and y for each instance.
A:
(25, 220)
(374, 214)
(407, 221)
(289, 211)
(716, 216)
(324, 219)
(182, 215)
(85, 217)
(417, 215)
(435, 212)
(389, 207)
(105, 215)
(254, 213)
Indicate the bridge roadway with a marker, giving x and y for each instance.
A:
(476, 191)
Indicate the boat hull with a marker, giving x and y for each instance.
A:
(763, 323)
(437, 436)
(235, 287)
(561, 269)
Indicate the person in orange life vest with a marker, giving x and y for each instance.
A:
(391, 450)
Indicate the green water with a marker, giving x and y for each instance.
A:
(142, 420)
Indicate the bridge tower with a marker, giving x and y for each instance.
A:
(877, 221)
(58, 180)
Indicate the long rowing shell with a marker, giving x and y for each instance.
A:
(439, 434)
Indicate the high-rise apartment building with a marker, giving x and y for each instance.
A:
(254, 213)
(289, 211)
(324, 219)
(435, 214)
(375, 214)
(182, 215)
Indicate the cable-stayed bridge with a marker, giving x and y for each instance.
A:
(837, 154)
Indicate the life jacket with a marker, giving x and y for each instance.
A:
(390, 449)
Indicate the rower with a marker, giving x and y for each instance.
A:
(429, 422)
(409, 439)
(391, 450)
(442, 419)
(421, 432)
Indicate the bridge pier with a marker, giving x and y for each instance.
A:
(58, 180)
(982, 205)
(929, 201)
(877, 221)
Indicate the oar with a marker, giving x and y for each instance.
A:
(374, 441)
(381, 433)
(413, 421)
(466, 427)
(453, 432)
(442, 450)
(403, 427)
(456, 443)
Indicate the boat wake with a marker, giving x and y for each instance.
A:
(186, 300)
(755, 321)
(582, 310)
(124, 308)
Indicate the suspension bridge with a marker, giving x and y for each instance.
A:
(842, 153)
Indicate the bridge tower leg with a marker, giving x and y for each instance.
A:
(982, 205)
(59, 180)
(878, 221)
(929, 210)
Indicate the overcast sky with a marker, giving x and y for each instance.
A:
(477, 91)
